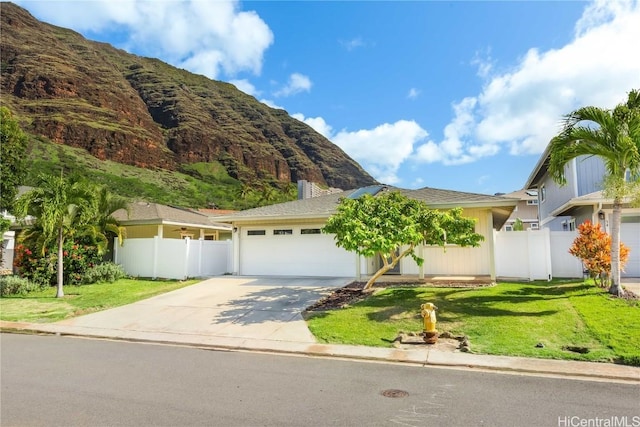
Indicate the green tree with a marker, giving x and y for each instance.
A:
(105, 226)
(518, 225)
(61, 207)
(392, 226)
(613, 135)
(13, 143)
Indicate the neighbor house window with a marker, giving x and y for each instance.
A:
(534, 226)
(532, 202)
(255, 233)
(508, 228)
(310, 231)
(282, 232)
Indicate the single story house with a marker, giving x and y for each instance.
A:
(285, 239)
(145, 219)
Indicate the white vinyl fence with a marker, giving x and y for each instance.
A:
(174, 258)
(536, 255)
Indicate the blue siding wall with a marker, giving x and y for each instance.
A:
(590, 171)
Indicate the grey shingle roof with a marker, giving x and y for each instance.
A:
(325, 206)
(154, 213)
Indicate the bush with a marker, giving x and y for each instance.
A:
(77, 258)
(107, 272)
(14, 285)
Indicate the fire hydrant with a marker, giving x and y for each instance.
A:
(429, 314)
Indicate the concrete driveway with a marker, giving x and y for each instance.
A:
(221, 307)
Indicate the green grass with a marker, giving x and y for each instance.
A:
(507, 319)
(43, 306)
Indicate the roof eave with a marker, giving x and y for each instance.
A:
(538, 171)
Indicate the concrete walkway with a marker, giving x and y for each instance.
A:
(264, 314)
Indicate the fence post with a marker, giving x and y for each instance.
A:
(186, 257)
(155, 256)
(116, 251)
(200, 254)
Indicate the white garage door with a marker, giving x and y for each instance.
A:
(293, 251)
(630, 236)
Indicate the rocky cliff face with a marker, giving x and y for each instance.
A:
(146, 113)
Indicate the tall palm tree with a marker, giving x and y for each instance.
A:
(61, 207)
(613, 135)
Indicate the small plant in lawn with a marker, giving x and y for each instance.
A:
(593, 247)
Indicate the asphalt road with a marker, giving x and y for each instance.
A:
(61, 381)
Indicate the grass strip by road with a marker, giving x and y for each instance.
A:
(536, 319)
(43, 306)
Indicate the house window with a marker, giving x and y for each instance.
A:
(310, 231)
(508, 228)
(282, 232)
(543, 193)
(532, 202)
(534, 226)
(572, 224)
(256, 233)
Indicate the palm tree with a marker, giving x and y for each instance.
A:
(616, 139)
(61, 207)
(104, 225)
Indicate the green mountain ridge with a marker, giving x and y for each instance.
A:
(70, 92)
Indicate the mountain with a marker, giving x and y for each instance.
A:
(145, 113)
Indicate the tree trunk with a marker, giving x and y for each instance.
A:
(615, 288)
(377, 274)
(59, 291)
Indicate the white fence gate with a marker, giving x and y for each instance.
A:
(535, 255)
(174, 258)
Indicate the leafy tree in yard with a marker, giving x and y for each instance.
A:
(62, 208)
(392, 226)
(13, 143)
(593, 247)
(613, 135)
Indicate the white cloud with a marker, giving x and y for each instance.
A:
(272, 104)
(246, 86)
(521, 109)
(203, 37)
(380, 151)
(352, 44)
(317, 123)
(413, 93)
(383, 149)
(297, 83)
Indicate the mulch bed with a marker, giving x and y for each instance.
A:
(352, 293)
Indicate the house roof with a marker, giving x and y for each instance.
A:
(145, 213)
(595, 198)
(523, 195)
(324, 206)
(539, 170)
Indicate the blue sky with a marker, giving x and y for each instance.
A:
(455, 95)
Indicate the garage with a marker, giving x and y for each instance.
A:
(300, 250)
(630, 236)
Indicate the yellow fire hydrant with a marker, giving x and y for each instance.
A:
(429, 314)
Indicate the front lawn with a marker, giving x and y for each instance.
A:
(43, 306)
(536, 319)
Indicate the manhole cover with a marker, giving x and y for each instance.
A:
(394, 393)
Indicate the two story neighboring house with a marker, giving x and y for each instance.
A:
(526, 210)
(563, 208)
